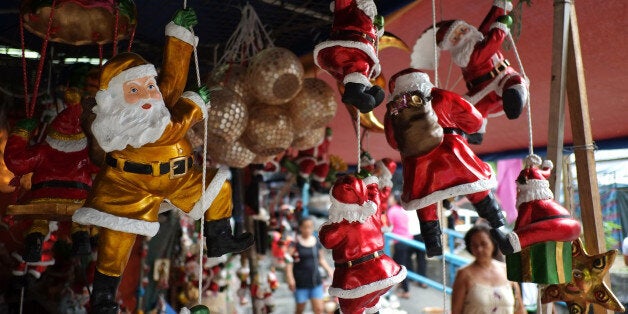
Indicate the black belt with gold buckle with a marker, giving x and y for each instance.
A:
(351, 34)
(176, 167)
(360, 260)
(493, 73)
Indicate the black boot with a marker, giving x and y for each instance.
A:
(377, 93)
(475, 138)
(81, 243)
(220, 239)
(103, 298)
(32, 247)
(508, 243)
(513, 103)
(489, 209)
(431, 232)
(355, 95)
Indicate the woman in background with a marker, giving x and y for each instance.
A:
(482, 286)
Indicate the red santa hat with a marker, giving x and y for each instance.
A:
(532, 181)
(409, 80)
(386, 168)
(349, 200)
(65, 133)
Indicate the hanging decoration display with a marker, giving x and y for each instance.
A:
(313, 107)
(309, 139)
(78, 22)
(231, 76)
(275, 75)
(494, 87)
(269, 131)
(228, 115)
(313, 163)
(586, 284)
(544, 229)
(363, 273)
(427, 126)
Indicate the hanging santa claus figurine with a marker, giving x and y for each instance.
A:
(62, 172)
(428, 126)
(384, 170)
(494, 87)
(540, 218)
(363, 273)
(141, 124)
(350, 53)
(313, 163)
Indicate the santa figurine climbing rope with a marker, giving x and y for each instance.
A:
(494, 87)
(350, 53)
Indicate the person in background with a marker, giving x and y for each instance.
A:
(482, 286)
(398, 218)
(303, 276)
(414, 228)
(624, 249)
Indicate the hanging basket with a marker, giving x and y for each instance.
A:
(308, 139)
(269, 131)
(231, 76)
(231, 154)
(79, 22)
(275, 76)
(314, 106)
(228, 115)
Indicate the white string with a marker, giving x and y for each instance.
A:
(247, 40)
(435, 45)
(21, 299)
(357, 126)
(204, 176)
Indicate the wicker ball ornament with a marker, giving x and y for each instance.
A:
(231, 154)
(228, 115)
(233, 77)
(314, 106)
(275, 76)
(269, 131)
(309, 139)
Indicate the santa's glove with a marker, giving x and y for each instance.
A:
(204, 92)
(28, 124)
(185, 18)
(505, 19)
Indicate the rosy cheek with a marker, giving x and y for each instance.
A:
(131, 98)
(155, 94)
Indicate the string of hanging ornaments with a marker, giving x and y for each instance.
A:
(261, 103)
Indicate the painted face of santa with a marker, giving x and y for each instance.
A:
(132, 113)
(463, 39)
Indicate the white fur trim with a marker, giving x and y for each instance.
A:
(182, 33)
(369, 288)
(501, 26)
(506, 5)
(533, 161)
(92, 216)
(368, 49)
(197, 100)
(318, 178)
(370, 180)
(368, 7)
(533, 190)
(462, 189)
(67, 146)
(210, 193)
(385, 178)
(350, 212)
(129, 75)
(412, 81)
(357, 77)
(513, 238)
(446, 43)
(374, 309)
(184, 310)
(547, 164)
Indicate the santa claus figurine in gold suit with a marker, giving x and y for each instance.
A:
(141, 124)
(494, 87)
(350, 53)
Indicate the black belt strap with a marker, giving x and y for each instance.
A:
(360, 260)
(60, 184)
(353, 34)
(454, 131)
(552, 217)
(491, 74)
(140, 168)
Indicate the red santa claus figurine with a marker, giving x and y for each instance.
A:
(494, 87)
(350, 53)
(313, 163)
(428, 126)
(540, 218)
(384, 170)
(62, 172)
(363, 272)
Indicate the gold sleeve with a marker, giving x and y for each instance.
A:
(174, 71)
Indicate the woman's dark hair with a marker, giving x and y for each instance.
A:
(304, 219)
(481, 227)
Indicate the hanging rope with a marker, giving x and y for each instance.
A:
(115, 32)
(24, 72)
(247, 40)
(435, 45)
(132, 37)
(357, 130)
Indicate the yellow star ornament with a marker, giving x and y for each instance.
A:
(587, 285)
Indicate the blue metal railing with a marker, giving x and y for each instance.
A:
(453, 260)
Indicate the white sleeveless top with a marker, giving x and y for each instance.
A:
(483, 299)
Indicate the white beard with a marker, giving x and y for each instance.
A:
(461, 53)
(119, 124)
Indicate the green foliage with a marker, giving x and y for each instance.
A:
(609, 228)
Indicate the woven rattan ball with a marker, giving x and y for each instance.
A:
(231, 154)
(309, 139)
(269, 131)
(314, 106)
(275, 76)
(228, 115)
(233, 77)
